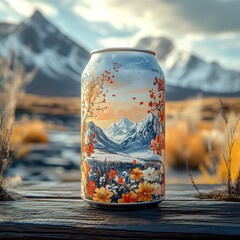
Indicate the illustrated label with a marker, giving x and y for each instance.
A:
(122, 136)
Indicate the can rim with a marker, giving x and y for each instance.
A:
(123, 49)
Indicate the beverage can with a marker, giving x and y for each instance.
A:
(123, 129)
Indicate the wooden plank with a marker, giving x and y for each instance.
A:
(47, 186)
(55, 210)
(63, 219)
(72, 190)
(31, 231)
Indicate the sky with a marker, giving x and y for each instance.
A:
(208, 28)
(128, 94)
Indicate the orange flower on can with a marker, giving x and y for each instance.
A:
(128, 197)
(157, 145)
(90, 188)
(136, 174)
(134, 161)
(120, 180)
(112, 173)
(102, 195)
(144, 192)
(89, 149)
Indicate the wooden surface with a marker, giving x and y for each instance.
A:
(55, 211)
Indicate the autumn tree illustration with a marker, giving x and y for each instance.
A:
(94, 99)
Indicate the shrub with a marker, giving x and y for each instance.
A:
(184, 138)
(27, 133)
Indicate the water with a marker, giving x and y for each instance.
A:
(60, 157)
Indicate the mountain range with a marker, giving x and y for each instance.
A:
(119, 130)
(187, 73)
(141, 135)
(137, 137)
(103, 142)
(60, 62)
(38, 43)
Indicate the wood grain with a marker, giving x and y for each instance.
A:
(54, 215)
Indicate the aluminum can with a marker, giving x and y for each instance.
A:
(123, 129)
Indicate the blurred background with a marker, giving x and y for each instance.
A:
(197, 45)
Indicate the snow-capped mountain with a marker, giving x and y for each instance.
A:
(113, 130)
(118, 131)
(38, 43)
(141, 135)
(188, 71)
(103, 142)
(138, 138)
(125, 125)
(162, 45)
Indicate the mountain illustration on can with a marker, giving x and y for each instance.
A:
(123, 129)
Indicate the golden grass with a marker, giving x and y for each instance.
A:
(27, 133)
(13, 79)
(196, 133)
(209, 106)
(184, 136)
(215, 172)
(182, 144)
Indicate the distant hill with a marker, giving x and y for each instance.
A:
(39, 43)
(60, 61)
(188, 74)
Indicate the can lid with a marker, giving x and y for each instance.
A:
(116, 49)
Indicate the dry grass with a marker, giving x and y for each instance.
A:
(12, 78)
(195, 130)
(29, 131)
(184, 135)
(209, 107)
(219, 195)
(214, 168)
(25, 134)
(181, 143)
(200, 137)
(225, 162)
(206, 133)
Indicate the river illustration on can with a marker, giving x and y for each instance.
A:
(123, 129)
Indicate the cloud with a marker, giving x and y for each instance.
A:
(26, 8)
(210, 16)
(154, 16)
(116, 42)
(103, 11)
(2, 7)
(209, 28)
(187, 22)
